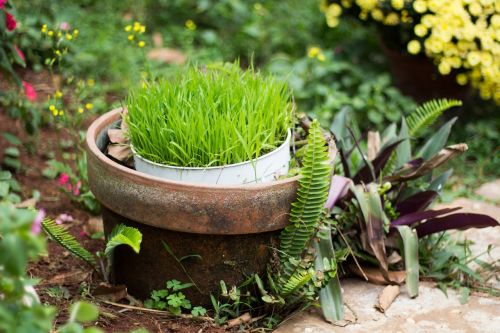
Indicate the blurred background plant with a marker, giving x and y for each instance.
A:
(461, 37)
(64, 62)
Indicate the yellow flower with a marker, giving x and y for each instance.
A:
(128, 28)
(475, 9)
(58, 53)
(190, 25)
(44, 28)
(321, 57)
(420, 6)
(142, 29)
(61, 112)
(444, 68)
(462, 79)
(58, 94)
(495, 21)
(80, 110)
(313, 52)
(52, 107)
(391, 19)
(420, 30)
(59, 34)
(141, 44)
(414, 47)
(473, 58)
(89, 106)
(50, 33)
(55, 112)
(130, 37)
(334, 9)
(377, 15)
(75, 32)
(332, 22)
(397, 4)
(90, 82)
(69, 36)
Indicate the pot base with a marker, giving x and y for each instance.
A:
(231, 258)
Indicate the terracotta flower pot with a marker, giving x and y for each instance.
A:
(416, 76)
(225, 231)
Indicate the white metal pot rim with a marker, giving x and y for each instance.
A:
(226, 166)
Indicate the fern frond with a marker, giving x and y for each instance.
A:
(66, 240)
(428, 112)
(297, 281)
(311, 197)
(123, 235)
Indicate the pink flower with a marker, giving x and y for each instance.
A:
(36, 227)
(10, 22)
(83, 233)
(2, 3)
(29, 91)
(76, 188)
(64, 218)
(64, 26)
(63, 179)
(19, 52)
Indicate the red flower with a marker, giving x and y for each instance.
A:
(10, 22)
(19, 52)
(2, 3)
(63, 179)
(29, 91)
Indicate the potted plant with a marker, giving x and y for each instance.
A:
(194, 228)
(217, 125)
(435, 48)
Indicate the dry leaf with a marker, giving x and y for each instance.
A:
(244, 318)
(386, 297)
(117, 136)
(110, 293)
(373, 144)
(67, 278)
(93, 225)
(120, 152)
(394, 258)
(375, 276)
(29, 203)
(409, 172)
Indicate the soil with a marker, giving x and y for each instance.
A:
(58, 267)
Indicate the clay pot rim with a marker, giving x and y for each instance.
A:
(106, 119)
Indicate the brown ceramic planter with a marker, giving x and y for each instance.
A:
(229, 227)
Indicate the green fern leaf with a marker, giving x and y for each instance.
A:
(299, 279)
(428, 112)
(123, 235)
(66, 240)
(311, 197)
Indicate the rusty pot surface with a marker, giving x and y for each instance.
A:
(230, 227)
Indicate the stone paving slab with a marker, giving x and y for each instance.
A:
(431, 311)
(490, 190)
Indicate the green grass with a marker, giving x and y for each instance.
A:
(211, 116)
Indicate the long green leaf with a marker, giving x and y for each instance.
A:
(437, 141)
(410, 244)
(123, 235)
(66, 240)
(403, 151)
(330, 297)
(373, 227)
